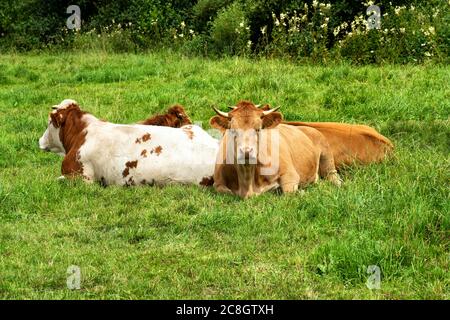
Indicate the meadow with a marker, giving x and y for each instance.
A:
(188, 242)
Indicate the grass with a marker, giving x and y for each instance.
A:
(192, 243)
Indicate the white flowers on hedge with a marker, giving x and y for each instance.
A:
(182, 33)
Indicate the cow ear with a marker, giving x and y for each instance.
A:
(272, 120)
(220, 123)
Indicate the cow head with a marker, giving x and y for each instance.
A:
(245, 122)
(52, 140)
(178, 112)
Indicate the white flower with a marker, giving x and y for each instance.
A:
(431, 30)
(241, 24)
(315, 3)
(277, 22)
(249, 43)
(181, 35)
(191, 31)
(428, 54)
(402, 30)
(182, 24)
(263, 29)
(336, 31)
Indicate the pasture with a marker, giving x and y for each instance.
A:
(188, 242)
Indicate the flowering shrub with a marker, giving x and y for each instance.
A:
(230, 31)
(302, 33)
(406, 35)
(296, 29)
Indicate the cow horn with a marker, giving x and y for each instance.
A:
(258, 105)
(221, 113)
(232, 107)
(265, 113)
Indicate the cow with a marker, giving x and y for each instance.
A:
(128, 155)
(175, 117)
(301, 153)
(350, 143)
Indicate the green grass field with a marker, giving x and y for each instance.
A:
(189, 242)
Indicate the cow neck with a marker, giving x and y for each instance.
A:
(72, 133)
(247, 179)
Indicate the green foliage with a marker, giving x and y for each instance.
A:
(229, 31)
(205, 11)
(311, 30)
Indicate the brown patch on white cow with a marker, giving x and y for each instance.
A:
(158, 150)
(189, 132)
(144, 153)
(129, 165)
(144, 138)
(130, 182)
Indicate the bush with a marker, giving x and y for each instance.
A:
(412, 31)
(302, 33)
(407, 34)
(205, 11)
(230, 32)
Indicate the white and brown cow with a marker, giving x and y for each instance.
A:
(128, 154)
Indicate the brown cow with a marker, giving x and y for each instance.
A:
(175, 117)
(350, 143)
(300, 155)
